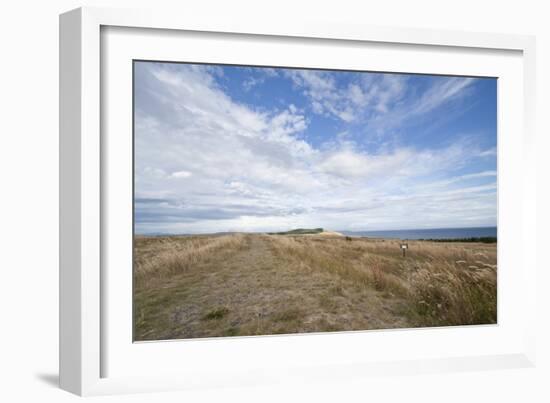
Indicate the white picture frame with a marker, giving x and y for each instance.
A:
(86, 346)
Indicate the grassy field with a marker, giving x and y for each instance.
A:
(253, 284)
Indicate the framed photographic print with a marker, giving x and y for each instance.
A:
(235, 201)
(340, 166)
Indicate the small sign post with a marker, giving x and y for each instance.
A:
(404, 247)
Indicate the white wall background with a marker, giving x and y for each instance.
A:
(29, 201)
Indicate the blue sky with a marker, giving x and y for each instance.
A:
(228, 148)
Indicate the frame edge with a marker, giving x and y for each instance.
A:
(70, 119)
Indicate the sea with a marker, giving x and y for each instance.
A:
(431, 233)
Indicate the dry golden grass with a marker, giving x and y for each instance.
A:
(162, 257)
(268, 284)
(443, 283)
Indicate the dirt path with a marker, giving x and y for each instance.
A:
(253, 291)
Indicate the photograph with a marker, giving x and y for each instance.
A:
(288, 200)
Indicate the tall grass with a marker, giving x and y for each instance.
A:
(161, 258)
(348, 261)
(441, 284)
(452, 294)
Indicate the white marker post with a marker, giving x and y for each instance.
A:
(404, 247)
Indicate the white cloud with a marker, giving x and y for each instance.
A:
(349, 163)
(443, 91)
(491, 152)
(181, 174)
(323, 92)
(269, 71)
(251, 82)
(375, 98)
(347, 102)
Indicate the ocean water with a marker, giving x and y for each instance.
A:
(432, 233)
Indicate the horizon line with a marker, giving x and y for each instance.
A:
(324, 230)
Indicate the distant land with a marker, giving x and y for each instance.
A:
(299, 231)
(470, 233)
(307, 231)
(429, 233)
